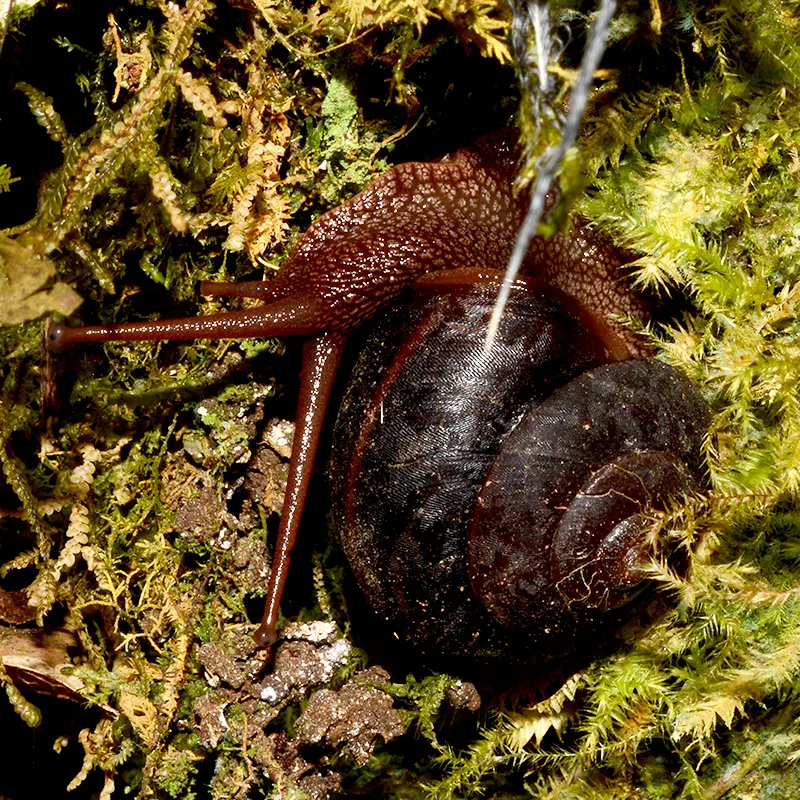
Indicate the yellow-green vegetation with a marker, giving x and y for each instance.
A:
(6, 178)
(219, 133)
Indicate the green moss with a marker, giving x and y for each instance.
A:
(339, 112)
(6, 178)
(233, 127)
(176, 774)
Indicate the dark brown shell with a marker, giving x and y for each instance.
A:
(451, 471)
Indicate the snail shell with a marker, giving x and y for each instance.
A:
(492, 507)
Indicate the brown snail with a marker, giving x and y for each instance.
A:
(494, 508)
(447, 227)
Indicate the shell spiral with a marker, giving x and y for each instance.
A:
(492, 507)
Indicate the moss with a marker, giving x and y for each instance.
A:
(176, 774)
(218, 135)
(6, 178)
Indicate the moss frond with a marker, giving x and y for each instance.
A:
(218, 134)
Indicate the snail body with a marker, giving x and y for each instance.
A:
(442, 227)
(492, 507)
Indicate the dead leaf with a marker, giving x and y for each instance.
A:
(38, 658)
(14, 607)
(142, 715)
(22, 278)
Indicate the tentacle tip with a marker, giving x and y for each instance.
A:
(55, 335)
(265, 635)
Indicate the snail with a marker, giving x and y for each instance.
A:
(444, 229)
(494, 508)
